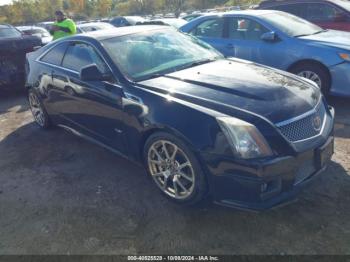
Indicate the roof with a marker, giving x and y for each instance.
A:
(94, 24)
(2, 26)
(252, 12)
(276, 2)
(122, 31)
(29, 27)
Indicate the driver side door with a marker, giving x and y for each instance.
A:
(211, 31)
(245, 38)
(93, 108)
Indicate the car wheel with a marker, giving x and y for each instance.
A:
(39, 113)
(174, 169)
(315, 73)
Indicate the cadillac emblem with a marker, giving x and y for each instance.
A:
(317, 123)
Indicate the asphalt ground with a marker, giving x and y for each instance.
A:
(60, 194)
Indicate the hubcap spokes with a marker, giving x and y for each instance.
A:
(312, 76)
(171, 169)
(36, 109)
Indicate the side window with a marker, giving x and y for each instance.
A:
(245, 29)
(210, 28)
(55, 55)
(294, 9)
(79, 55)
(322, 12)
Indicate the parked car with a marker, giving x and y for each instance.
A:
(122, 21)
(46, 25)
(88, 27)
(40, 32)
(246, 135)
(13, 47)
(175, 22)
(191, 16)
(329, 14)
(283, 41)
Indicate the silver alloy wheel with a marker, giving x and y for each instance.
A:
(171, 169)
(36, 109)
(312, 76)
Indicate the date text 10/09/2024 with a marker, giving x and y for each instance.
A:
(173, 258)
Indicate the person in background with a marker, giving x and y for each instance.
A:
(63, 26)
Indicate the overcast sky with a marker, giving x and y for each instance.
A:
(5, 2)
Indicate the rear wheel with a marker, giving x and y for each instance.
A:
(316, 73)
(39, 113)
(174, 169)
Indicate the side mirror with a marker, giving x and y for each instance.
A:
(269, 36)
(92, 73)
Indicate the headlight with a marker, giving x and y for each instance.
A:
(344, 56)
(245, 139)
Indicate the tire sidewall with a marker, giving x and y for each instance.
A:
(321, 72)
(200, 187)
(47, 122)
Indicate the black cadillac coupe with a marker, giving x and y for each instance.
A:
(204, 126)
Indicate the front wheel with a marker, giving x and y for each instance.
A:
(39, 113)
(315, 73)
(174, 169)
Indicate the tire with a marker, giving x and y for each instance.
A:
(38, 110)
(311, 70)
(186, 183)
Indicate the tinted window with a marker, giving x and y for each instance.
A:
(210, 28)
(8, 32)
(245, 29)
(295, 9)
(322, 12)
(290, 24)
(79, 55)
(55, 55)
(120, 21)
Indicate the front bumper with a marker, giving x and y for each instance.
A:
(340, 79)
(265, 184)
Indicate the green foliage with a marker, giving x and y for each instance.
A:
(32, 11)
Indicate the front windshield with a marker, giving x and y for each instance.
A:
(291, 25)
(8, 32)
(152, 53)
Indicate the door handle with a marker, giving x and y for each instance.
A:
(230, 46)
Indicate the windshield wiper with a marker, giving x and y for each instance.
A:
(318, 32)
(173, 70)
(322, 31)
(197, 63)
(151, 76)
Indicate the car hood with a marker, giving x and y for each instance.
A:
(233, 86)
(333, 38)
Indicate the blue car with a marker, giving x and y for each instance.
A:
(283, 41)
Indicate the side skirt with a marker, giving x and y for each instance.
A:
(90, 139)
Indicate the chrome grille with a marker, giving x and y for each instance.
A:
(305, 127)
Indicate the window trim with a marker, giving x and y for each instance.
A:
(339, 8)
(47, 51)
(248, 18)
(224, 25)
(70, 70)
